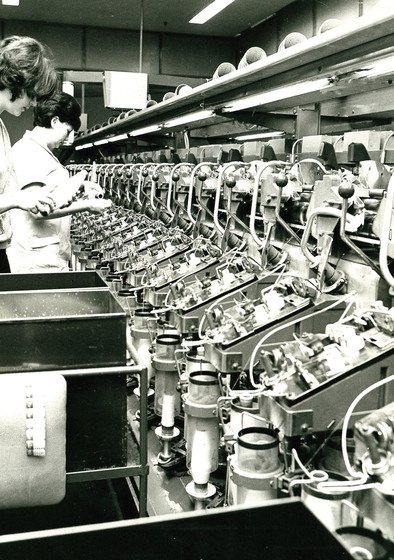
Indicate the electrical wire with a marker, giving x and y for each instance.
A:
(225, 296)
(361, 477)
(312, 476)
(286, 325)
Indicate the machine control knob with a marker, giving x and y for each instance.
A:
(346, 190)
(281, 180)
(230, 182)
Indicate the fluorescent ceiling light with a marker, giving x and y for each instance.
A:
(10, 2)
(210, 11)
(101, 142)
(260, 135)
(379, 68)
(286, 92)
(199, 116)
(83, 146)
(146, 130)
(118, 137)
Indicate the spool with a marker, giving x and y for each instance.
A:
(329, 24)
(202, 425)
(166, 372)
(291, 40)
(253, 54)
(223, 69)
(183, 89)
(168, 95)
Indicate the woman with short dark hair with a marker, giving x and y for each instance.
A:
(42, 242)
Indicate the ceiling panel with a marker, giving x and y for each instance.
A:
(170, 16)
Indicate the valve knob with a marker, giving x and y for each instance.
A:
(145, 173)
(281, 180)
(175, 177)
(155, 178)
(202, 176)
(346, 190)
(230, 182)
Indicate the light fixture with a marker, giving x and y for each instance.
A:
(84, 146)
(10, 2)
(286, 92)
(378, 68)
(198, 116)
(101, 142)
(118, 137)
(146, 130)
(210, 11)
(260, 135)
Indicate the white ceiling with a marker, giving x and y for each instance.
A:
(170, 16)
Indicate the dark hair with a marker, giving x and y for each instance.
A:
(61, 105)
(26, 67)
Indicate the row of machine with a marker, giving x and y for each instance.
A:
(258, 283)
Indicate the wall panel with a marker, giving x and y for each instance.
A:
(64, 41)
(108, 49)
(194, 56)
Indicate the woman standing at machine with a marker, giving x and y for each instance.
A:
(26, 74)
(42, 242)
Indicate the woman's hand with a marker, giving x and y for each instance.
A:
(35, 201)
(93, 190)
(98, 205)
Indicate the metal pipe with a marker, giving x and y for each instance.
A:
(222, 171)
(383, 154)
(349, 242)
(169, 195)
(189, 200)
(139, 187)
(255, 196)
(141, 32)
(153, 187)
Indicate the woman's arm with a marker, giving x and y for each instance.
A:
(32, 200)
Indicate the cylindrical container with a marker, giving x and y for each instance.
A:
(128, 301)
(115, 284)
(196, 361)
(332, 456)
(254, 467)
(223, 69)
(325, 504)
(202, 425)
(166, 375)
(142, 333)
(364, 543)
(245, 412)
(253, 54)
(290, 40)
